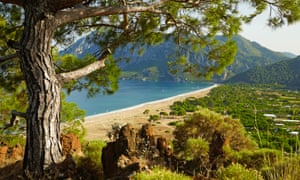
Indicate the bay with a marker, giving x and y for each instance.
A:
(132, 93)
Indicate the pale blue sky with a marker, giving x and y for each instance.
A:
(283, 39)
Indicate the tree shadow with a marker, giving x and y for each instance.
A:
(12, 171)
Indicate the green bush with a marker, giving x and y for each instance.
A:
(196, 149)
(238, 172)
(161, 174)
(205, 123)
(146, 111)
(173, 123)
(163, 113)
(154, 117)
(90, 165)
(207, 139)
(256, 159)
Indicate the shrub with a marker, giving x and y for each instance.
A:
(146, 111)
(153, 117)
(196, 149)
(238, 172)
(255, 159)
(205, 124)
(208, 139)
(160, 173)
(173, 123)
(163, 113)
(90, 166)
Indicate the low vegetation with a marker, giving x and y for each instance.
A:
(90, 165)
(252, 105)
(160, 173)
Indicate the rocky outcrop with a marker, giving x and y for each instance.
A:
(10, 154)
(3, 152)
(132, 151)
(70, 144)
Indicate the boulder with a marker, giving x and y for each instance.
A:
(70, 144)
(17, 152)
(3, 152)
(132, 151)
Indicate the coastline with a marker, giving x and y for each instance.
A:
(98, 125)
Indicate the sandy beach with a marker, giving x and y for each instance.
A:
(97, 126)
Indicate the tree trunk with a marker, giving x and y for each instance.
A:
(43, 147)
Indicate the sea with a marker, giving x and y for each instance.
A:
(132, 93)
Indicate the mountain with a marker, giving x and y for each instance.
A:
(251, 54)
(285, 73)
(289, 55)
(153, 65)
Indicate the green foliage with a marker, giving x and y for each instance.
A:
(90, 165)
(154, 117)
(72, 118)
(204, 124)
(9, 101)
(196, 149)
(257, 159)
(238, 172)
(285, 168)
(173, 123)
(160, 173)
(101, 81)
(179, 108)
(163, 113)
(146, 111)
(249, 104)
(284, 73)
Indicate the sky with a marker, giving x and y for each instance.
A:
(283, 39)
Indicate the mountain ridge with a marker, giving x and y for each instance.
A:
(152, 65)
(284, 73)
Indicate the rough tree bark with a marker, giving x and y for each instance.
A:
(43, 147)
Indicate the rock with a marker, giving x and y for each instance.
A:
(127, 138)
(17, 152)
(3, 152)
(147, 134)
(163, 147)
(114, 153)
(9, 155)
(70, 144)
(110, 155)
(132, 151)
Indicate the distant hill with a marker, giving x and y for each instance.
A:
(152, 64)
(285, 73)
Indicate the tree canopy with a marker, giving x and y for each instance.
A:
(116, 23)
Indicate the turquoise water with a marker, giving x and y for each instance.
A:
(132, 93)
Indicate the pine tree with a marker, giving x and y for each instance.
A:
(30, 29)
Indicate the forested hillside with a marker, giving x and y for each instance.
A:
(151, 64)
(253, 105)
(286, 73)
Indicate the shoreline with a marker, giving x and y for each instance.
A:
(185, 95)
(97, 126)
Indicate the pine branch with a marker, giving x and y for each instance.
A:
(4, 59)
(70, 15)
(76, 74)
(13, 118)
